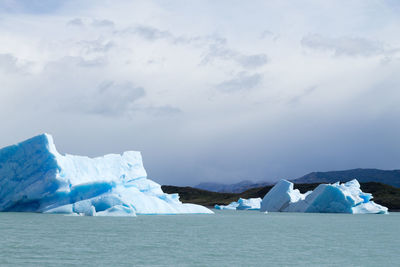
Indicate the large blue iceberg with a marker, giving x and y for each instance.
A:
(241, 204)
(34, 177)
(326, 198)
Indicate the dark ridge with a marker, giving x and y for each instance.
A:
(389, 177)
(231, 188)
(199, 196)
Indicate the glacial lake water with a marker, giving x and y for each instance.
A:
(227, 238)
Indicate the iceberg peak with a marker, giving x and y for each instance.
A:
(35, 177)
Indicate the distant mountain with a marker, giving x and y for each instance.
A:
(391, 177)
(362, 175)
(231, 188)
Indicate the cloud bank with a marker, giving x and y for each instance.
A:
(211, 91)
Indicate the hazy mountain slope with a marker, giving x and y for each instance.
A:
(391, 177)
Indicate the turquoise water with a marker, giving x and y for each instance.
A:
(227, 238)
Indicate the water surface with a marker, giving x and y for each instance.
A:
(227, 238)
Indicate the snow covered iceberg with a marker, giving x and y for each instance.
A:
(241, 204)
(34, 177)
(326, 198)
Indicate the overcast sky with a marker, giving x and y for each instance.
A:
(207, 90)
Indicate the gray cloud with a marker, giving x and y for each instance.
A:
(118, 100)
(109, 99)
(242, 81)
(222, 52)
(297, 98)
(217, 47)
(166, 110)
(153, 34)
(150, 33)
(103, 23)
(348, 46)
(91, 63)
(97, 23)
(252, 61)
(10, 64)
(69, 63)
(94, 46)
(75, 22)
(269, 35)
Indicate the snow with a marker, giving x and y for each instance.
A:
(241, 204)
(326, 198)
(34, 177)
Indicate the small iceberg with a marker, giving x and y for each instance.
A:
(34, 177)
(326, 198)
(241, 204)
(231, 206)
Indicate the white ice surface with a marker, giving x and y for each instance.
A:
(35, 177)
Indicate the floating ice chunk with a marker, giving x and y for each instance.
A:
(241, 204)
(35, 177)
(249, 204)
(231, 206)
(332, 198)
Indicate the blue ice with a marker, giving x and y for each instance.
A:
(34, 177)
